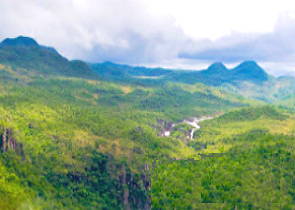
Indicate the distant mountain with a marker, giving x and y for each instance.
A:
(217, 67)
(19, 41)
(25, 52)
(216, 74)
(249, 70)
(126, 70)
(129, 74)
(247, 79)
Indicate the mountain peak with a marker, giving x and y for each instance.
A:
(250, 70)
(248, 66)
(19, 41)
(217, 66)
(249, 63)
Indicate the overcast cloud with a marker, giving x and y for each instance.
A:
(121, 31)
(188, 33)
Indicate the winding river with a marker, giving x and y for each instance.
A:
(193, 121)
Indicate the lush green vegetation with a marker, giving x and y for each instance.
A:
(256, 175)
(79, 136)
(245, 161)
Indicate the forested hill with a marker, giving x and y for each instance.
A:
(72, 140)
(248, 79)
(75, 135)
(25, 52)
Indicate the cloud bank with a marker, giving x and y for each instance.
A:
(95, 30)
(278, 45)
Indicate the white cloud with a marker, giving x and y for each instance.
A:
(216, 18)
(273, 49)
(94, 30)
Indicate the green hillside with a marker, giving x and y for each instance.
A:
(79, 138)
(90, 136)
(26, 53)
(245, 161)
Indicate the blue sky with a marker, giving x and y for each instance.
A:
(169, 33)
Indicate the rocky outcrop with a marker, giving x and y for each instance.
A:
(165, 128)
(124, 182)
(136, 189)
(9, 143)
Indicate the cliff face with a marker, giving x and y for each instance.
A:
(135, 188)
(9, 143)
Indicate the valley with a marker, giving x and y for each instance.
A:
(75, 135)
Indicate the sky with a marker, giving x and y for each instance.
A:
(187, 34)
